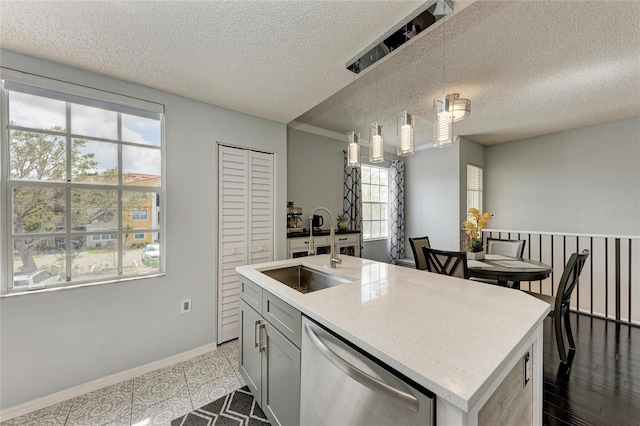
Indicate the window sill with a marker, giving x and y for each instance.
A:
(375, 239)
(81, 285)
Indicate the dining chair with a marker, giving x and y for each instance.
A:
(418, 255)
(511, 248)
(452, 263)
(560, 302)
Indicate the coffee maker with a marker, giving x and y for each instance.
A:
(294, 218)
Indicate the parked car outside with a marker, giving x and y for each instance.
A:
(35, 278)
(151, 254)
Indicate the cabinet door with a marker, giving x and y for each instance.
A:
(250, 355)
(233, 195)
(261, 207)
(281, 379)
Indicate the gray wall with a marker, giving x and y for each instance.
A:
(433, 197)
(315, 173)
(54, 340)
(584, 180)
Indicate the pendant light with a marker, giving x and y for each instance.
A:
(353, 149)
(353, 137)
(376, 139)
(406, 121)
(448, 108)
(405, 134)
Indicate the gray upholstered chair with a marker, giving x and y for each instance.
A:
(418, 255)
(452, 263)
(511, 248)
(560, 303)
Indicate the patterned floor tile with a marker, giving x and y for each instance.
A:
(56, 415)
(158, 386)
(103, 406)
(208, 369)
(163, 412)
(204, 392)
(229, 348)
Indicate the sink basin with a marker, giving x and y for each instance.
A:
(303, 279)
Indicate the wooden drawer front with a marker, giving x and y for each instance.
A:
(251, 293)
(349, 239)
(283, 317)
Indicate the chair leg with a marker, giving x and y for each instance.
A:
(567, 327)
(557, 322)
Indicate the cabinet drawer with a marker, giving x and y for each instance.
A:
(349, 239)
(251, 293)
(297, 243)
(283, 317)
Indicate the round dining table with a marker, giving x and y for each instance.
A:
(506, 270)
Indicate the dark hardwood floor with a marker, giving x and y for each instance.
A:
(601, 386)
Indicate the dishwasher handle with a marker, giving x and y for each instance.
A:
(402, 398)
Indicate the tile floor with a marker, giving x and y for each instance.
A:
(154, 398)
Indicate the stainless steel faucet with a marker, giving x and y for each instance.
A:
(333, 258)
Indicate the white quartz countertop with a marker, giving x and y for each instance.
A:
(449, 335)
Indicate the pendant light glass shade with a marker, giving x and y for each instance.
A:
(458, 108)
(405, 134)
(376, 143)
(353, 149)
(443, 127)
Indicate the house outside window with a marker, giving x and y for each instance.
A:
(79, 162)
(474, 188)
(375, 203)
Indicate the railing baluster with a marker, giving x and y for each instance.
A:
(617, 263)
(591, 274)
(552, 268)
(630, 257)
(606, 278)
(577, 285)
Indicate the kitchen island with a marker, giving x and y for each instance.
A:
(455, 338)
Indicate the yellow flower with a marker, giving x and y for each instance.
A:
(477, 223)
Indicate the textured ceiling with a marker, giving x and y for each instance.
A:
(272, 59)
(529, 67)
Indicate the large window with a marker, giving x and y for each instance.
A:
(81, 178)
(474, 188)
(375, 203)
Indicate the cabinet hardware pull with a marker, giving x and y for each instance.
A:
(256, 333)
(342, 239)
(260, 328)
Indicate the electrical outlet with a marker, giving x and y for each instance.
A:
(185, 306)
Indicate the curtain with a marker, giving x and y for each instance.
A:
(351, 202)
(396, 227)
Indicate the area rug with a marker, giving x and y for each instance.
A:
(236, 408)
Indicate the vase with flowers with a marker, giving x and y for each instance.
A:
(474, 228)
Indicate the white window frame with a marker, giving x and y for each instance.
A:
(475, 188)
(386, 205)
(83, 95)
(135, 214)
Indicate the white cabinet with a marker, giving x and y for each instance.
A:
(245, 226)
(299, 246)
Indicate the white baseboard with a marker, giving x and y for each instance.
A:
(49, 400)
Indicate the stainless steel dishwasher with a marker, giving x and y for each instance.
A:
(341, 386)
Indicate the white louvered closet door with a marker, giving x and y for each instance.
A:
(245, 205)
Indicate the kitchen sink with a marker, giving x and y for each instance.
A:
(303, 279)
